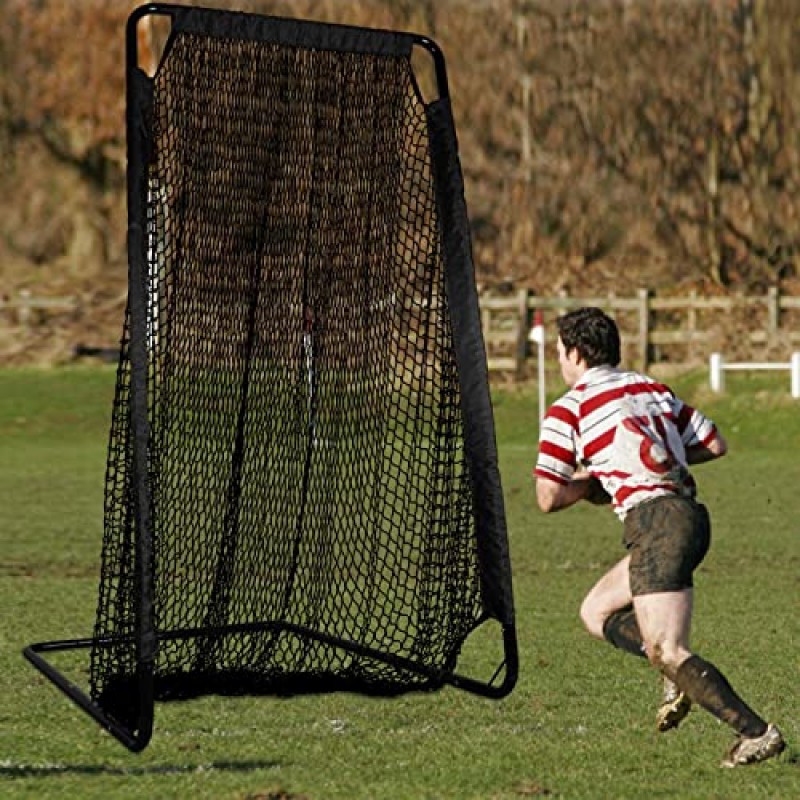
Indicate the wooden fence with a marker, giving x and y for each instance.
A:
(24, 308)
(679, 330)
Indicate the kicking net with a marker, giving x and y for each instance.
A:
(302, 490)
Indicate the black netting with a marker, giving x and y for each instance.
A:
(311, 500)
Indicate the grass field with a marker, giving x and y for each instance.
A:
(578, 725)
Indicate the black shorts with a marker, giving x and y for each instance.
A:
(667, 538)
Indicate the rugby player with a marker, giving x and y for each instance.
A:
(618, 437)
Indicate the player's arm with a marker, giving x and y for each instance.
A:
(712, 448)
(560, 480)
(701, 439)
(554, 496)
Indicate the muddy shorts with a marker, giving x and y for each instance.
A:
(667, 538)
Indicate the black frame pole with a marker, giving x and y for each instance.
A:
(138, 736)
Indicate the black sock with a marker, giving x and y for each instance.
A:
(622, 630)
(708, 687)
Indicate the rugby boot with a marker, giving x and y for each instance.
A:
(747, 750)
(674, 707)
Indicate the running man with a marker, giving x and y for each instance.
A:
(620, 437)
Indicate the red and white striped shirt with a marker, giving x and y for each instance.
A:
(628, 431)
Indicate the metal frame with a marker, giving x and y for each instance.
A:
(145, 637)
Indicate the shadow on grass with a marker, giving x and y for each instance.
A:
(8, 770)
(792, 757)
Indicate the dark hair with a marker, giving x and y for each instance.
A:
(592, 333)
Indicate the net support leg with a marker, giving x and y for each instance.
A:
(136, 740)
(510, 668)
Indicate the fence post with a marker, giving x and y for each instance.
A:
(773, 311)
(794, 366)
(691, 323)
(522, 330)
(644, 329)
(24, 311)
(717, 376)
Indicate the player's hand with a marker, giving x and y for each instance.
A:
(595, 493)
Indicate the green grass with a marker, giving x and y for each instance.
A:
(578, 725)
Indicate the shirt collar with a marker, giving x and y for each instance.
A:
(594, 374)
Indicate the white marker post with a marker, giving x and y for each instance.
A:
(537, 335)
(716, 375)
(718, 366)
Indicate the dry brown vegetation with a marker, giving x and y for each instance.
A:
(606, 145)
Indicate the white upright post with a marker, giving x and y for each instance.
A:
(153, 271)
(542, 397)
(537, 335)
(717, 377)
(794, 366)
